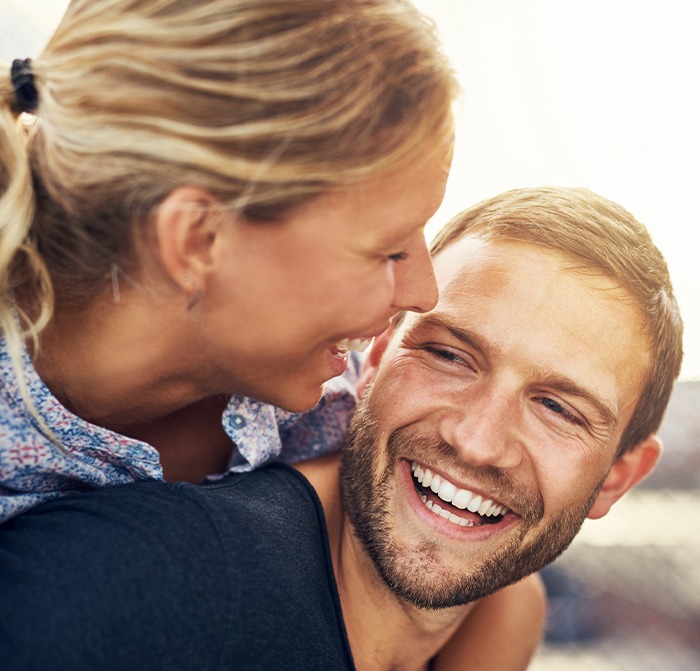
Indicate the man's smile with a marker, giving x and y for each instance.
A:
(459, 506)
(455, 504)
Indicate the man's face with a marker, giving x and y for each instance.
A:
(492, 422)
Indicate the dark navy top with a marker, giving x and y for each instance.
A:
(231, 575)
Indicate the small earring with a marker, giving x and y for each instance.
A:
(194, 300)
(116, 295)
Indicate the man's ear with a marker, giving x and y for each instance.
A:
(186, 226)
(632, 467)
(374, 356)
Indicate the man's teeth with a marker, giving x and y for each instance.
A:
(459, 498)
(356, 344)
(445, 513)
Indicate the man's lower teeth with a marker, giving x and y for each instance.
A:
(445, 514)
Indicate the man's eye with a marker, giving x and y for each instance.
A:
(558, 409)
(446, 355)
(399, 256)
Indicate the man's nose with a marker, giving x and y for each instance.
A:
(414, 279)
(485, 433)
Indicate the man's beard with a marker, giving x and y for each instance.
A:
(415, 572)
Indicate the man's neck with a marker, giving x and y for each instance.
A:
(385, 632)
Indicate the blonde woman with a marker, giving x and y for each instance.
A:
(211, 198)
(201, 200)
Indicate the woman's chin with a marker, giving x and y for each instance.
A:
(304, 400)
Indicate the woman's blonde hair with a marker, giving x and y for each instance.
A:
(264, 103)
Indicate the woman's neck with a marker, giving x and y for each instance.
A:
(132, 367)
(117, 364)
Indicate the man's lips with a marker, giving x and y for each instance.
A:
(460, 506)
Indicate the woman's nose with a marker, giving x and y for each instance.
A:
(414, 279)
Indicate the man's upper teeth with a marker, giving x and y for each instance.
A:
(357, 344)
(459, 498)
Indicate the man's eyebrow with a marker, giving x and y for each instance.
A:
(463, 335)
(550, 378)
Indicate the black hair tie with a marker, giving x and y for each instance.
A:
(23, 84)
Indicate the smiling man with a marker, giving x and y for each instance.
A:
(524, 402)
(503, 418)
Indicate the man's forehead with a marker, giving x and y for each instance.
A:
(473, 265)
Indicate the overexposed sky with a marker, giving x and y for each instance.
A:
(597, 93)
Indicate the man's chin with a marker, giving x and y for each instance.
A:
(422, 577)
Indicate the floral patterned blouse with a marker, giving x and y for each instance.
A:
(34, 469)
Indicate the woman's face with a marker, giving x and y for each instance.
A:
(337, 268)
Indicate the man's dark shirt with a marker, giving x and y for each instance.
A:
(232, 575)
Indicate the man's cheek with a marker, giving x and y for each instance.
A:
(406, 398)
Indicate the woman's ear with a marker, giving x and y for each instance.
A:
(374, 356)
(631, 468)
(186, 229)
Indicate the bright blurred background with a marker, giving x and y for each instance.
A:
(602, 94)
(597, 93)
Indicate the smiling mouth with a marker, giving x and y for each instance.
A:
(459, 506)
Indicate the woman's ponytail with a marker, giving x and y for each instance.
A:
(22, 270)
